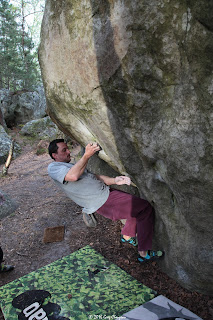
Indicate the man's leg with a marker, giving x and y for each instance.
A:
(144, 214)
(138, 213)
(139, 216)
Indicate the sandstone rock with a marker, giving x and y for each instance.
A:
(21, 106)
(5, 142)
(136, 76)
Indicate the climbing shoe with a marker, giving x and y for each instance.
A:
(89, 220)
(133, 241)
(151, 256)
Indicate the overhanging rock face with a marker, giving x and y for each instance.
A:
(136, 76)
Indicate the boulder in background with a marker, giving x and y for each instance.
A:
(5, 142)
(22, 106)
(41, 128)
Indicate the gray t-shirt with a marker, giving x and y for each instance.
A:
(88, 191)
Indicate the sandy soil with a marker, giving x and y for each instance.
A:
(41, 205)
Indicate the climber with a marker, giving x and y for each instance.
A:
(4, 267)
(92, 192)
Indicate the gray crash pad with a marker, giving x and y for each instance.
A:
(159, 308)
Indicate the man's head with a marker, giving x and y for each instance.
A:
(59, 151)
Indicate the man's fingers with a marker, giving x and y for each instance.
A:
(92, 147)
(95, 146)
(127, 180)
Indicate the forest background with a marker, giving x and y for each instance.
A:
(20, 23)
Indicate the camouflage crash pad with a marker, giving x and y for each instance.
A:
(82, 285)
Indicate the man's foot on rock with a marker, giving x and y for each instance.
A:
(89, 220)
(151, 256)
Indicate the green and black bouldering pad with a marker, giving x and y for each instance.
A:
(82, 285)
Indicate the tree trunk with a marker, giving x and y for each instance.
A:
(9, 159)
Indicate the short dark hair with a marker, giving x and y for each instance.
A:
(53, 147)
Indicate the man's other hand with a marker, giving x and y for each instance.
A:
(122, 180)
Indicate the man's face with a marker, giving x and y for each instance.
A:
(63, 153)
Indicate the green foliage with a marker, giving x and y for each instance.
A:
(18, 62)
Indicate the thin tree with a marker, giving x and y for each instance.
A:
(18, 58)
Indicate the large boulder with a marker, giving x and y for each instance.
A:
(136, 76)
(22, 106)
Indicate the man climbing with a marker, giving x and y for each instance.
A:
(92, 192)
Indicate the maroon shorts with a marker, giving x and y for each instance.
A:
(139, 215)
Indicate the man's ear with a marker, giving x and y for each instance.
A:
(54, 155)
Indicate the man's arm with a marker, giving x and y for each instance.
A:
(117, 180)
(77, 170)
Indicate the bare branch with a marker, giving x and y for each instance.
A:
(9, 158)
(33, 13)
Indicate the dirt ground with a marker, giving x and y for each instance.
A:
(41, 205)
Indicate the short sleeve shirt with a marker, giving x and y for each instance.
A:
(88, 191)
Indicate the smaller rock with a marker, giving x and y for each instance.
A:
(7, 205)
